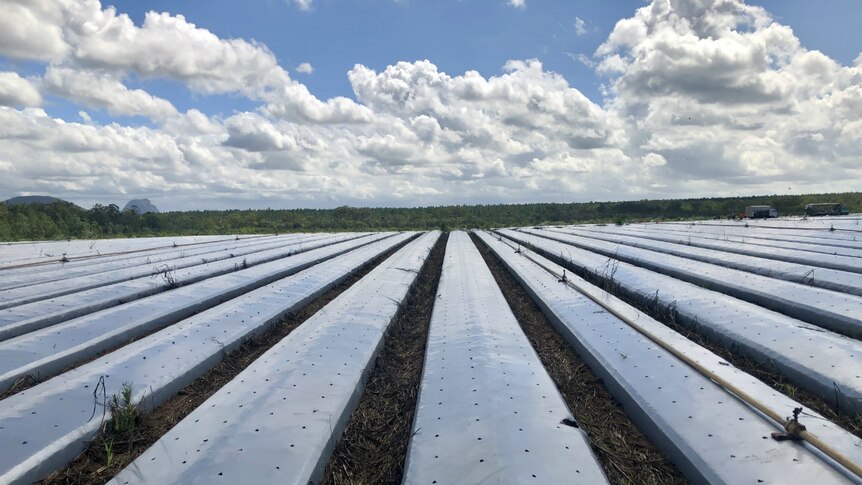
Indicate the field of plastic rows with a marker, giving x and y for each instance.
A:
(642, 353)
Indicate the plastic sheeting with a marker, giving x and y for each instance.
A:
(27, 294)
(13, 278)
(850, 224)
(47, 252)
(45, 427)
(488, 412)
(279, 419)
(744, 234)
(45, 352)
(21, 319)
(843, 259)
(843, 281)
(822, 362)
(828, 309)
(709, 434)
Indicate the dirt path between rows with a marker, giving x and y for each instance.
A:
(766, 372)
(625, 454)
(92, 467)
(373, 447)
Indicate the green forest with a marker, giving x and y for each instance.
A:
(64, 220)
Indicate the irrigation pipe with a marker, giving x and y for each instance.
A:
(793, 428)
(123, 253)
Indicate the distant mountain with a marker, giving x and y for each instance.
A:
(32, 199)
(141, 206)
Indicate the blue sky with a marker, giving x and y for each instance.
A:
(456, 35)
(428, 102)
(460, 35)
(333, 36)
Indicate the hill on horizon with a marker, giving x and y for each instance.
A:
(141, 206)
(33, 199)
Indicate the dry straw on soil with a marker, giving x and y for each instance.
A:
(374, 444)
(626, 455)
(763, 371)
(91, 467)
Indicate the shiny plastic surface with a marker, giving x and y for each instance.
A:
(15, 254)
(848, 225)
(825, 308)
(830, 279)
(822, 362)
(14, 278)
(22, 319)
(746, 234)
(844, 259)
(45, 427)
(708, 433)
(488, 412)
(41, 291)
(45, 352)
(279, 419)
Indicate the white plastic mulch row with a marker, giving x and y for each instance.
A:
(41, 291)
(835, 311)
(822, 362)
(848, 225)
(843, 281)
(279, 419)
(706, 431)
(845, 259)
(28, 317)
(40, 252)
(13, 278)
(144, 253)
(45, 427)
(488, 411)
(745, 234)
(43, 353)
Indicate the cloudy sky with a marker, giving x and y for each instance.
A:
(320, 103)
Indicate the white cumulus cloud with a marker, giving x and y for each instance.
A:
(730, 99)
(700, 97)
(96, 89)
(17, 91)
(32, 30)
(305, 68)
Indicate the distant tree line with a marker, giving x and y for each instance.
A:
(64, 220)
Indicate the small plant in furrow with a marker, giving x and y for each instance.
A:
(124, 412)
(167, 274)
(109, 454)
(788, 389)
